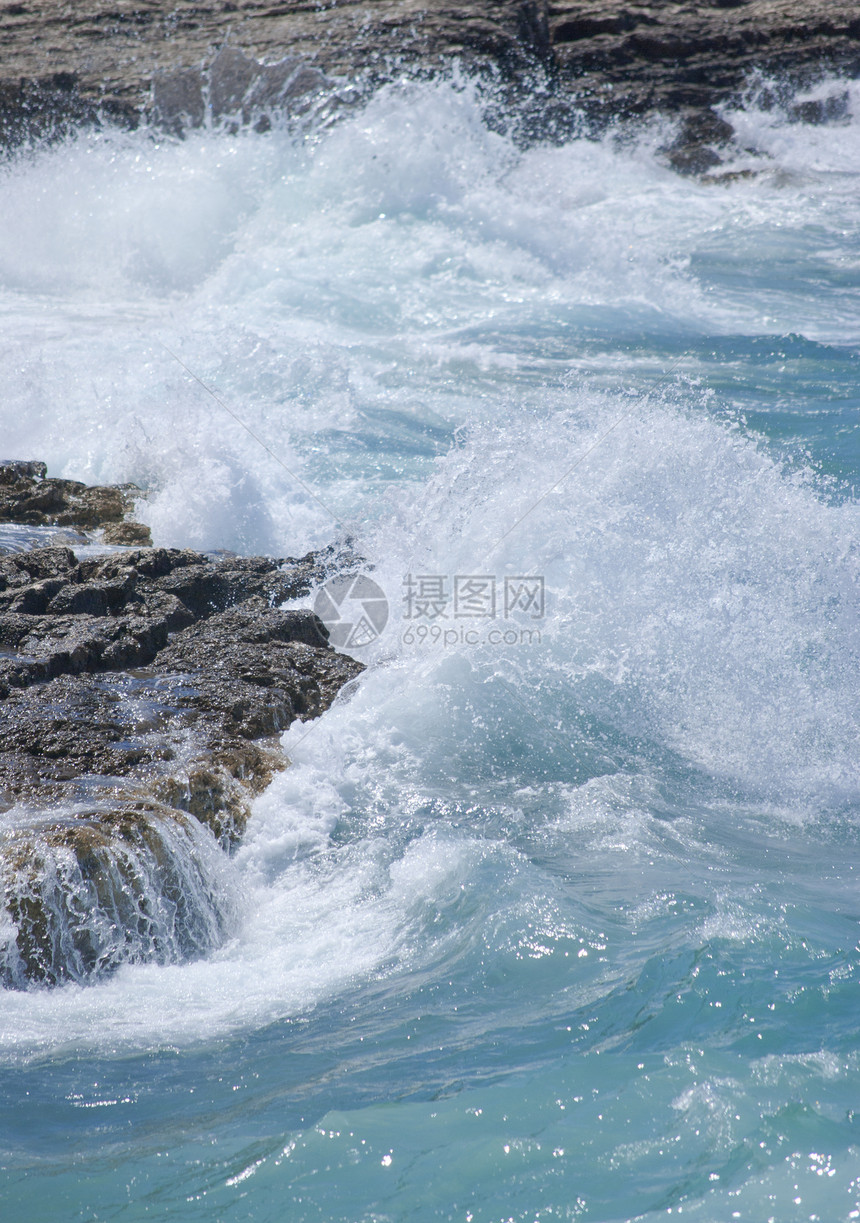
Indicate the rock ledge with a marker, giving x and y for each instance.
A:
(142, 694)
(135, 59)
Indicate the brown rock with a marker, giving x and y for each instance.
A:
(133, 534)
(132, 58)
(26, 496)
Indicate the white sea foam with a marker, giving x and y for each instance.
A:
(331, 289)
(407, 284)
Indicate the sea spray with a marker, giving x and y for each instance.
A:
(567, 930)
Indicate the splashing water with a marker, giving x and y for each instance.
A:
(556, 923)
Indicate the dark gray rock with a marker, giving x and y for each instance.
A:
(829, 109)
(27, 496)
(141, 696)
(65, 617)
(702, 139)
(13, 470)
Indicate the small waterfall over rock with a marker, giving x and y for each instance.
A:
(123, 790)
(87, 891)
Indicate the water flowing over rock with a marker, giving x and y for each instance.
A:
(141, 696)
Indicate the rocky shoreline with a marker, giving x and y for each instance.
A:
(143, 690)
(142, 695)
(131, 61)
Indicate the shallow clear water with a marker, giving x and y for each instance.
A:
(556, 923)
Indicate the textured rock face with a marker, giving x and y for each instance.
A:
(29, 498)
(141, 698)
(115, 774)
(635, 57)
(201, 696)
(127, 58)
(132, 56)
(60, 616)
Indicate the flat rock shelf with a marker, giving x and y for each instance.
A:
(142, 695)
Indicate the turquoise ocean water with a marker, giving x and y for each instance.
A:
(540, 925)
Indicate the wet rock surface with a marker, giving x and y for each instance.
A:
(671, 56)
(702, 140)
(61, 616)
(142, 694)
(28, 497)
(181, 64)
